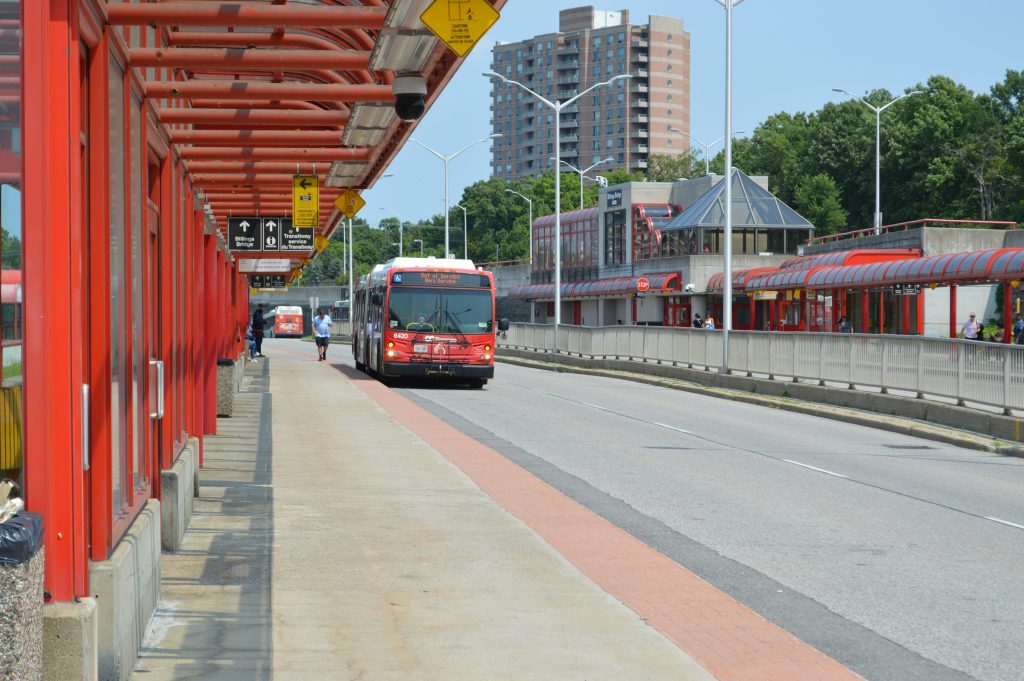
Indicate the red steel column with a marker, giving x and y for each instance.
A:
(920, 314)
(1007, 313)
(881, 312)
(864, 310)
(952, 311)
(209, 335)
(168, 337)
(906, 316)
(197, 356)
(53, 373)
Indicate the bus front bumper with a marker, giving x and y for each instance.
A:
(436, 369)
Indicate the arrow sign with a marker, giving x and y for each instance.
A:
(271, 234)
(295, 238)
(305, 200)
(240, 237)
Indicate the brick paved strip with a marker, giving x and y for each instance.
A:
(726, 638)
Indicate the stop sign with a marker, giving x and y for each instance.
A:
(642, 284)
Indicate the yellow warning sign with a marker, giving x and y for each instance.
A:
(305, 201)
(349, 203)
(459, 23)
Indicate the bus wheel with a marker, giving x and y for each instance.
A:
(477, 383)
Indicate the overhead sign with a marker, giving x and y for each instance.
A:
(906, 289)
(459, 23)
(268, 281)
(642, 284)
(349, 203)
(295, 238)
(245, 234)
(272, 234)
(305, 200)
(247, 265)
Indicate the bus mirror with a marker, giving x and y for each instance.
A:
(376, 298)
(502, 324)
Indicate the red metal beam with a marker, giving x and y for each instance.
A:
(252, 116)
(243, 58)
(275, 154)
(244, 14)
(228, 166)
(258, 138)
(242, 178)
(240, 89)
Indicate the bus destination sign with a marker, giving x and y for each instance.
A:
(447, 279)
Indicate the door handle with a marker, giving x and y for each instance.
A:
(86, 454)
(159, 365)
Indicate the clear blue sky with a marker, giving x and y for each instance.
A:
(787, 56)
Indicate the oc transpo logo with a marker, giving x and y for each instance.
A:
(440, 349)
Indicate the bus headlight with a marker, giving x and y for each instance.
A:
(391, 353)
(487, 348)
(487, 357)
(391, 344)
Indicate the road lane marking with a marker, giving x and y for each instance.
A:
(678, 430)
(814, 468)
(595, 406)
(1004, 522)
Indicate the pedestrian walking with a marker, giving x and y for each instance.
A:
(971, 328)
(258, 324)
(322, 333)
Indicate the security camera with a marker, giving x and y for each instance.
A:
(690, 288)
(409, 94)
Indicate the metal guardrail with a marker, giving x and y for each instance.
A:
(966, 371)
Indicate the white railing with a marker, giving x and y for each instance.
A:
(966, 371)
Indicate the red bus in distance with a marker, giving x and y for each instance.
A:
(425, 317)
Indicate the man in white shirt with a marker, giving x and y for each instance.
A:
(321, 332)
(971, 328)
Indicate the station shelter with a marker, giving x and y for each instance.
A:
(130, 133)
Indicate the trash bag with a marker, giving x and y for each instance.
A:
(20, 537)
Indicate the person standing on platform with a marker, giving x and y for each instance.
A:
(971, 328)
(1018, 329)
(844, 325)
(322, 333)
(258, 324)
(698, 323)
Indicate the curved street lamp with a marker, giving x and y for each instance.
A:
(583, 172)
(878, 146)
(445, 159)
(465, 232)
(557, 107)
(706, 147)
(420, 242)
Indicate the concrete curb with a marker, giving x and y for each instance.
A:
(874, 419)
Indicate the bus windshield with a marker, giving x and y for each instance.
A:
(440, 311)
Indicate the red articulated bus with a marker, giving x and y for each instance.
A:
(285, 321)
(425, 317)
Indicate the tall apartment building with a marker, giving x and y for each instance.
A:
(626, 121)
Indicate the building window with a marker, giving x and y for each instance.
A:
(670, 53)
(621, 38)
(669, 82)
(669, 97)
(668, 67)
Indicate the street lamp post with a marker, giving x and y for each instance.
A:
(445, 159)
(401, 237)
(706, 147)
(584, 172)
(465, 232)
(420, 242)
(529, 227)
(878, 146)
(727, 275)
(557, 107)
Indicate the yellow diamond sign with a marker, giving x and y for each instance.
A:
(459, 23)
(349, 203)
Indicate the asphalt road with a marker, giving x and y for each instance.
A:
(894, 555)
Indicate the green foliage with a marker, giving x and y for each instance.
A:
(10, 251)
(817, 199)
(665, 168)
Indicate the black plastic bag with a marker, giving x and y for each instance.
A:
(20, 537)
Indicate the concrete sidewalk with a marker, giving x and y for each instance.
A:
(332, 542)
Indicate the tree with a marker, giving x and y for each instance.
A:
(665, 168)
(817, 199)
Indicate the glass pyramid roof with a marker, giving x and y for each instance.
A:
(752, 206)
